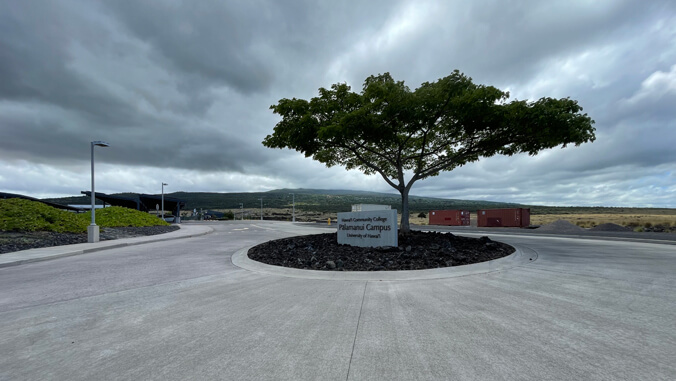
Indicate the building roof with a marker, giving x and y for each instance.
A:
(127, 202)
(52, 204)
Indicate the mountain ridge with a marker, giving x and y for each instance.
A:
(341, 200)
(324, 200)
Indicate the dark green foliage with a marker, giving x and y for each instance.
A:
(389, 130)
(228, 215)
(422, 215)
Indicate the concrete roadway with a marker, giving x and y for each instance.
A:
(178, 310)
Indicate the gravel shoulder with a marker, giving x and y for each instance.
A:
(16, 241)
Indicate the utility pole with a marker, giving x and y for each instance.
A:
(241, 208)
(261, 208)
(293, 200)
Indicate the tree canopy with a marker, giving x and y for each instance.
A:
(389, 130)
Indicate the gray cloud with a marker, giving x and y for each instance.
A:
(183, 89)
(214, 41)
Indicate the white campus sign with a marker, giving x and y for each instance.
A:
(368, 229)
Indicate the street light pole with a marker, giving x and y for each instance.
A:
(93, 229)
(241, 208)
(293, 200)
(163, 184)
(261, 208)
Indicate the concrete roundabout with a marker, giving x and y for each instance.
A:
(559, 308)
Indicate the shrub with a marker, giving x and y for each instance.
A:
(422, 215)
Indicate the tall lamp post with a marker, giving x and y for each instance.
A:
(163, 184)
(241, 208)
(93, 229)
(293, 213)
(261, 208)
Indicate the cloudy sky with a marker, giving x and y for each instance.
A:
(181, 90)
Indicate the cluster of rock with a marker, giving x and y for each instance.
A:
(610, 227)
(416, 251)
(560, 226)
(17, 241)
(131, 232)
(659, 229)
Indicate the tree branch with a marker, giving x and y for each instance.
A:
(374, 167)
(375, 152)
(445, 163)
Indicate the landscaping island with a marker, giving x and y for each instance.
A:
(26, 224)
(416, 251)
(11, 241)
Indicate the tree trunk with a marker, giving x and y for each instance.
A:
(405, 227)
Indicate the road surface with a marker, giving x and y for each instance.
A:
(580, 309)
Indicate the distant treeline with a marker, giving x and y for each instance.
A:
(332, 201)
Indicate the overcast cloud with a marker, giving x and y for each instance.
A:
(181, 90)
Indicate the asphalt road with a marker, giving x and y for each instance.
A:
(582, 309)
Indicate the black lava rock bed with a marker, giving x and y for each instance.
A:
(416, 251)
(11, 241)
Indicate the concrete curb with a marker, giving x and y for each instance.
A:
(70, 250)
(657, 238)
(519, 257)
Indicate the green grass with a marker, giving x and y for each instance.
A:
(117, 216)
(25, 215)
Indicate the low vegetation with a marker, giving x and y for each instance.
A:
(24, 215)
(117, 216)
(27, 216)
(589, 220)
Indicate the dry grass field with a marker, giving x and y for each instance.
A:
(663, 217)
(588, 220)
(591, 220)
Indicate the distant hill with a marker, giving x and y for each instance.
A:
(331, 200)
(320, 200)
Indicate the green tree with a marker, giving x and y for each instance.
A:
(406, 136)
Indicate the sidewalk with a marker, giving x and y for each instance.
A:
(47, 253)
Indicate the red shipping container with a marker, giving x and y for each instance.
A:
(517, 217)
(449, 217)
